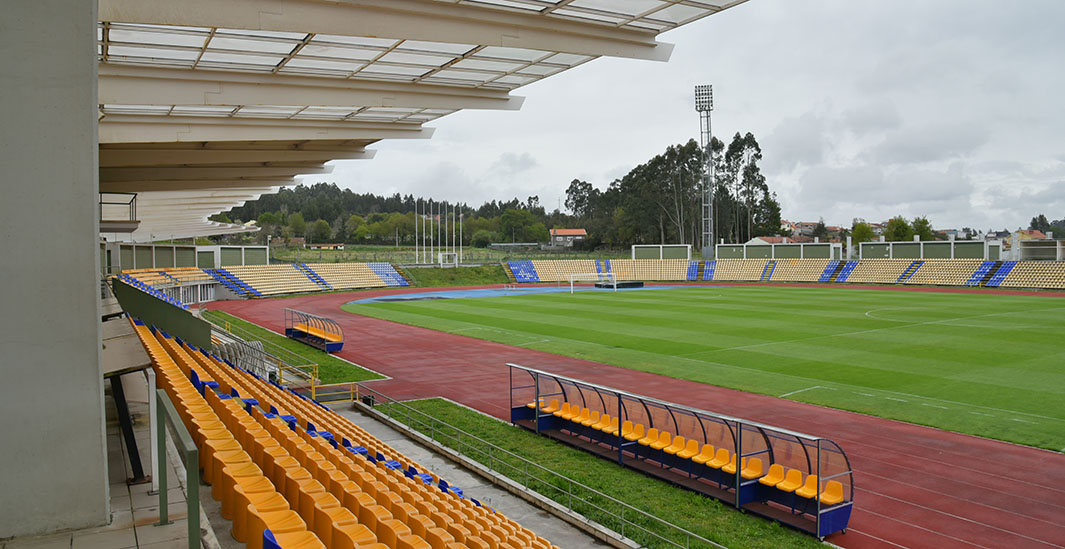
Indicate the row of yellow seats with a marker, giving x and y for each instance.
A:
(303, 472)
(218, 448)
(318, 332)
(482, 529)
(750, 468)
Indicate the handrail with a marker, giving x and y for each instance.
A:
(166, 413)
(535, 477)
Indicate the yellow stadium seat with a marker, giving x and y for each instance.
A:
(753, 469)
(833, 493)
(650, 438)
(775, 475)
(792, 481)
(689, 451)
(663, 441)
(675, 446)
(809, 489)
(705, 455)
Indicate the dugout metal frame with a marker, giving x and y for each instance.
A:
(295, 319)
(746, 439)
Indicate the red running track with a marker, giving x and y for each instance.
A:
(914, 486)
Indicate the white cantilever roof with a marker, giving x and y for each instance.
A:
(204, 95)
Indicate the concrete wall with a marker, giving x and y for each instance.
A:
(54, 473)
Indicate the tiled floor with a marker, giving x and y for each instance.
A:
(133, 511)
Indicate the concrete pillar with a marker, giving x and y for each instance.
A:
(54, 473)
(849, 252)
(1061, 250)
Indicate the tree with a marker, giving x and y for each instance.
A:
(898, 230)
(297, 224)
(321, 231)
(482, 238)
(517, 225)
(1039, 223)
(581, 197)
(220, 218)
(861, 232)
(820, 231)
(922, 228)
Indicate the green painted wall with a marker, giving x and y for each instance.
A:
(675, 252)
(255, 256)
(231, 256)
(143, 258)
(164, 316)
(786, 251)
(937, 250)
(164, 256)
(186, 257)
(874, 251)
(968, 250)
(730, 252)
(759, 252)
(125, 257)
(994, 252)
(645, 253)
(205, 260)
(817, 251)
(907, 250)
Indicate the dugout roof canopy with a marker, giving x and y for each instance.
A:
(205, 104)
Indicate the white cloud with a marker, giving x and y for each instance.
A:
(949, 109)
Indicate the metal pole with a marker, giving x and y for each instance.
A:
(153, 423)
(160, 452)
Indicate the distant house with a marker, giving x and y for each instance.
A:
(770, 240)
(566, 237)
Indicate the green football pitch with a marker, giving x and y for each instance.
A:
(984, 364)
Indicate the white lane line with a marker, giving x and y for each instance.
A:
(1021, 420)
(934, 406)
(896, 399)
(799, 391)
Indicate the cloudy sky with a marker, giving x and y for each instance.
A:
(952, 109)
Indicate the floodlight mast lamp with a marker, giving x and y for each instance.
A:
(704, 105)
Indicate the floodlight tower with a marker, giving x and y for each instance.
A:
(704, 105)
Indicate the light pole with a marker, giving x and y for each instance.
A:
(704, 105)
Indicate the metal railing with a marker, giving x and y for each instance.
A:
(166, 413)
(291, 367)
(131, 204)
(628, 521)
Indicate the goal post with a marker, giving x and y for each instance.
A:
(445, 259)
(609, 278)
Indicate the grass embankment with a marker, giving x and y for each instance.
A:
(330, 368)
(434, 277)
(983, 364)
(701, 515)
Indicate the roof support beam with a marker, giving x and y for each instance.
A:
(399, 19)
(184, 185)
(132, 85)
(119, 175)
(166, 129)
(132, 158)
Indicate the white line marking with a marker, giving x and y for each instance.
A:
(532, 342)
(896, 399)
(866, 394)
(799, 391)
(934, 406)
(981, 414)
(1022, 420)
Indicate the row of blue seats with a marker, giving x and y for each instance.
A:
(151, 291)
(388, 274)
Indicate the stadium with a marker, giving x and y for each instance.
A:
(890, 394)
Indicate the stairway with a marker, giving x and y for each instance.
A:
(909, 271)
(844, 271)
(767, 271)
(510, 273)
(309, 273)
(983, 273)
(831, 271)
